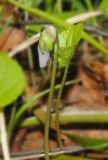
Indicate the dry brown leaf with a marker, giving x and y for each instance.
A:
(90, 94)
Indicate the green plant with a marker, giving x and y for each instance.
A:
(12, 84)
(63, 46)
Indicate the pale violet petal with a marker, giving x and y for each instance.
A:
(43, 58)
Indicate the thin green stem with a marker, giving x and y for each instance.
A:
(60, 23)
(50, 99)
(49, 69)
(58, 104)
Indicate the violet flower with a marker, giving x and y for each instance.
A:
(43, 58)
(46, 45)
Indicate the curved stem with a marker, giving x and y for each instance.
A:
(58, 104)
(4, 141)
(53, 76)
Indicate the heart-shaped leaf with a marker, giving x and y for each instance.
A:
(12, 80)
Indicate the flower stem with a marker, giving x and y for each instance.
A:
(4, 141)
(53, 76)
(58, 104)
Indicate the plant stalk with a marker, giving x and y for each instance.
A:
(57, 106)
(50, 99)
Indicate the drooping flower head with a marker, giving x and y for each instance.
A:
(47, 40)
(67, 41)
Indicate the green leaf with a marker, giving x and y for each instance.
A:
(12, 80)
(66, 157)
(92, 143)
(68, 41)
